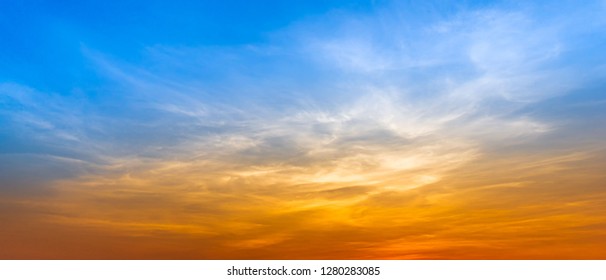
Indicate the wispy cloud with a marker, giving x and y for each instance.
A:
(386, 136)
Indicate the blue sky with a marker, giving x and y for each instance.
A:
(130, 78)
(35, 29)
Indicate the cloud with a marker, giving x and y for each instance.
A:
(374, 133)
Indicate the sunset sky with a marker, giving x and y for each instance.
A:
(302, 130)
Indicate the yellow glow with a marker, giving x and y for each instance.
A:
(410, 208)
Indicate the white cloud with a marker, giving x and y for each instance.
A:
(411, 104)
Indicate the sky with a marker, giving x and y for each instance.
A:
(302, 130)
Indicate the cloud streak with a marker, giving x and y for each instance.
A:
(348, 136)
